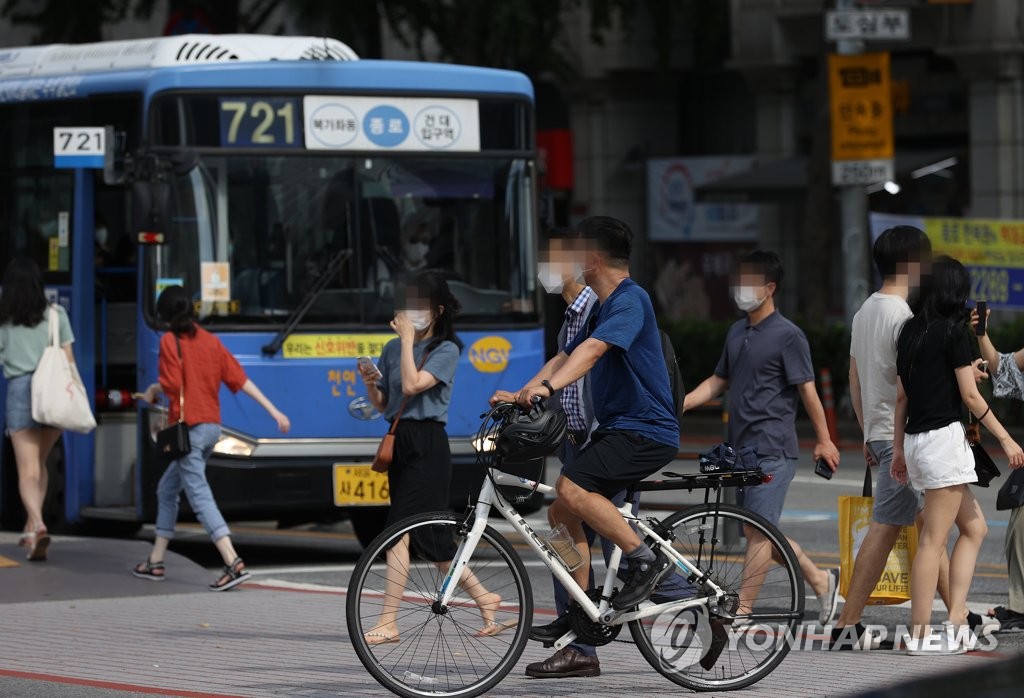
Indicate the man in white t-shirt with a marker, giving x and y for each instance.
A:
(899, 254)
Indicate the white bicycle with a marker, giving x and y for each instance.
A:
(716, 622)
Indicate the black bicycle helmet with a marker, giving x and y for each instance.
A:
(531, 437)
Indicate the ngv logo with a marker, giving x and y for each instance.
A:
(490, 354)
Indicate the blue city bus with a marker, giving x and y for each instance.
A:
(291, 188)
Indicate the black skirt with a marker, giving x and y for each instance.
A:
(419, 480)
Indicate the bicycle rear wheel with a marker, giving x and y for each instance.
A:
(412, 646)
(754, 627)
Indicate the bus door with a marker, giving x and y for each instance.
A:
(114, 268)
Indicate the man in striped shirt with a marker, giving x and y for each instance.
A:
(560, 272)
(575, 398)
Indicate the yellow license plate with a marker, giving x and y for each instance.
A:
(358, 485)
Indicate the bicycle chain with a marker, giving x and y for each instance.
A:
(588, 631)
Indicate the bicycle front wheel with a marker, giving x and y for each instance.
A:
(750, 632)
(409, 643)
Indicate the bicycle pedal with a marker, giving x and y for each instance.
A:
(719, 637)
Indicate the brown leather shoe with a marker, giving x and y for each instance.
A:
(563, 664)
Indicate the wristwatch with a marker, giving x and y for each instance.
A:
(547, 384)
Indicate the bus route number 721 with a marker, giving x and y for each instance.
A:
(259, 122)
(79, 146)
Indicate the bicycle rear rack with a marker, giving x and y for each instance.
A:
(704, 481)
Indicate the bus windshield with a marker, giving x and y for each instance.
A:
(248, 235)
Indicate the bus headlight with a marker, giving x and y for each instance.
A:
(233, 446)
(483, 445)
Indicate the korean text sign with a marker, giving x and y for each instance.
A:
(861, 106)
(991, 249)
(391, 123)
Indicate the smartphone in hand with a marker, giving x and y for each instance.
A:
(821, 469)
(982, 308)
(365, 363)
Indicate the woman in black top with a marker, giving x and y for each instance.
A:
(934, 357)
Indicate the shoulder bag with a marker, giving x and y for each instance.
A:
(984, 466)
(58, 394)
(386, 449)
(173, 442)
(1011, 494)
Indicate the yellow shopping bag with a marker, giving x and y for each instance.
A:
(854, 520)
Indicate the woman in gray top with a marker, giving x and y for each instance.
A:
(24, 334)
(1007, 371)
(417, 369)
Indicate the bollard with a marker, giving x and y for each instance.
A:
(829, 403)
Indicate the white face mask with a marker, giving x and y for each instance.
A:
(420, 319)
(553, 276)
(746, 298)
(416, 252)
(550, 277)
(101, 236)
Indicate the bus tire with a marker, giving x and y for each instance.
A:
(368, 523)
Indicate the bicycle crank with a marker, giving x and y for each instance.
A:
(588, 631)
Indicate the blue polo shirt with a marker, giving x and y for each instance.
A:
(764, 364)
(629, 383)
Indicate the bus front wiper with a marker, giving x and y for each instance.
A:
(330, 272)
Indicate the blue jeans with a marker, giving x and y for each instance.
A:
(189, 474)
(19, 404)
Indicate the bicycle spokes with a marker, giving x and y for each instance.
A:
(414, 645)
(753, 602)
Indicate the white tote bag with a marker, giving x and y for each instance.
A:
(58, 395)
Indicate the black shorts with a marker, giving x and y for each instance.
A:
(614, 460)
(419, 479)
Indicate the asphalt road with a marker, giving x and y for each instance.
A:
(325, 556)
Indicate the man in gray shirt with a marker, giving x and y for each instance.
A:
(766, 366)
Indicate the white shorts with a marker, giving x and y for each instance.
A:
(939, 458)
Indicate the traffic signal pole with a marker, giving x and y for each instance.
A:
(853, 215)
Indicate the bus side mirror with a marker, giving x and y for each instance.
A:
(151, 191)
(150, 201)
(116, 162)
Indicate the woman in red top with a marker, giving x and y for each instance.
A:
(191, 353)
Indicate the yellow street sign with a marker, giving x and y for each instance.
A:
(860, 95)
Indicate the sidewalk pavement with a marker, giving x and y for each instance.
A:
(83, 620)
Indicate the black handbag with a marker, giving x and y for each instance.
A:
(173, 442)
(984, 467)
(1011, 494)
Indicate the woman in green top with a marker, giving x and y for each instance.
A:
(24, 335)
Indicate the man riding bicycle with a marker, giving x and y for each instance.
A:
(637, 433)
